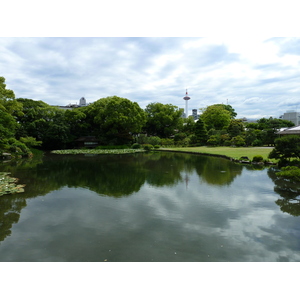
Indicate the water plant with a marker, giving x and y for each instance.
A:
(8, 184)
(97, 151)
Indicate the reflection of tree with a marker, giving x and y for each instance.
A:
(10, 210)
(111, 175)
(165, 170)
(218, 171)
(289, 191)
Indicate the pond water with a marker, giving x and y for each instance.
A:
(160, 207)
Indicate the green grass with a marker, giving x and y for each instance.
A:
(233, 152)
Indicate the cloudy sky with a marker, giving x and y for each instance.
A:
(257, 75)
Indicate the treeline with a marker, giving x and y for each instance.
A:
(27, 124)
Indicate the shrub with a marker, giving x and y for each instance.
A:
(144, 139)
(258, 158)
(154, 140)
(257, 143)
(213, 140)
(156, 146)
(136, 146)
(238, 141)
(147, 147)
(167, 142)
(227, 143)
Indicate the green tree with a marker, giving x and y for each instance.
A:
(44, 123)
(230, 109)
(189, 125)
(9, 109)
(77, 123)
(216, 117)
(235, 128)
(5, 94)
(200, 133)
(117, 119)
(268, 129)
(163, 119)
(286, 147)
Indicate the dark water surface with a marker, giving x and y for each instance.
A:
(164, 207)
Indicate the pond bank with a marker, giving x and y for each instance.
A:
(245, 160)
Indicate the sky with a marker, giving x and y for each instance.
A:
(155, 56)
(258, 77)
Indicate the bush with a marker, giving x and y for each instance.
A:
(147, 147)
(156, 146)
(238, 141)
(136, 146)
(154, 140)
(144, 139)
(257, 143)
(258, 158)
(227, 143)
(214, 140)
(167, 142)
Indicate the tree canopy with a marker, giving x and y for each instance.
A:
(286, 147)
(163, 119)
(115, 119)
(216, 116)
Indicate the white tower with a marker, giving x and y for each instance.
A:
(186, 98)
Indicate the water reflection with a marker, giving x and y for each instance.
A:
(145, 207)
(289, 191)
(113, 176)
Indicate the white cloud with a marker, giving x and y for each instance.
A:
(215, 70)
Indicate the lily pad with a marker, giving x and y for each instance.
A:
(8, 185)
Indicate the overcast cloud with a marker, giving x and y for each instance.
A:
(257, 77)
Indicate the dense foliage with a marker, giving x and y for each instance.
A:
(286, 147)
(26, 124)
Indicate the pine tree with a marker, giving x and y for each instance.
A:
(200, 133)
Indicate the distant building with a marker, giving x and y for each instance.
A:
(195, 114)
(292, 116)
(87, 142)
(292, 130)
(82, 102)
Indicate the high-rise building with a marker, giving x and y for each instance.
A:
(195, 114)
(292, 116)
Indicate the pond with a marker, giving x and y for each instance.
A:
(147, 207)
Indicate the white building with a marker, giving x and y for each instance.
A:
(292, 116)
(82, 101)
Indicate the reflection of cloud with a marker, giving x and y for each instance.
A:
(237, 222)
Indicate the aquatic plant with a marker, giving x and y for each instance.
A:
(97, 151)
(8, 184)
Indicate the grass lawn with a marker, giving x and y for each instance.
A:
(232, 152)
